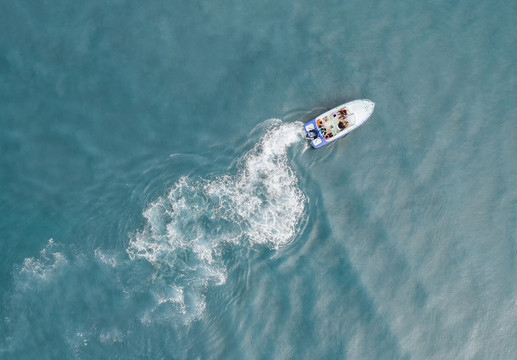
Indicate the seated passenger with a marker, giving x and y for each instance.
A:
(342, 124)
(312, 134)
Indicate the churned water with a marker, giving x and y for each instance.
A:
(158, 199)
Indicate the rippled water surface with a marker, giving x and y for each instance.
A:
(158, 199)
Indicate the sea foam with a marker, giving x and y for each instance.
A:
(186, 231)
(42, 268)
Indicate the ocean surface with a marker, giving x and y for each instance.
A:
(158, 200)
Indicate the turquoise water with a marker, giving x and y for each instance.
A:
(159, 202)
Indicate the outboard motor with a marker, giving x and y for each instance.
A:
(311, 134)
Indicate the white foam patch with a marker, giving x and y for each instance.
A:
(106, 258)
(43, 267)
(186, 230)
(112, 336)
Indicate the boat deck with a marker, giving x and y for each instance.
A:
(328, 123)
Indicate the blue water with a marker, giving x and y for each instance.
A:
(158, 201)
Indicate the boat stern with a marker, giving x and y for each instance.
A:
(310, 129)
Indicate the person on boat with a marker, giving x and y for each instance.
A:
(312, 134)
(342, 124)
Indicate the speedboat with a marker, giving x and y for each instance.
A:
(338, 122)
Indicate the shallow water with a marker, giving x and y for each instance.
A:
(159, 202)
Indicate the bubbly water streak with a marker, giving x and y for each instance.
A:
(185, 230)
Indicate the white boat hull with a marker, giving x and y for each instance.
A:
(328, 126)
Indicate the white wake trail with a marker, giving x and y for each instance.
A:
(186, 230)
